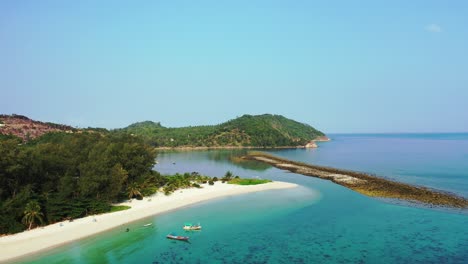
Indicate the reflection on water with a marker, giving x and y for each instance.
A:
(235, 158)
(168, 160)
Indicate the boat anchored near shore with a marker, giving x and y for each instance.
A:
(190, 226)
(176, 237)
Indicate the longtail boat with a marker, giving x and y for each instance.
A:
(176, 237)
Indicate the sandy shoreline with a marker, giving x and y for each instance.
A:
(40, 239)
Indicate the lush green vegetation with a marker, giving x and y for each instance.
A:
(186, 180)
(249, 181)
(159, 136)
(246, 131)
(64, 176)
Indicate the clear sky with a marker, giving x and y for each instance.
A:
(340, 66)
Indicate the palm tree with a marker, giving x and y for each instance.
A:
(32, 212)
(228, 176)
(133, 190)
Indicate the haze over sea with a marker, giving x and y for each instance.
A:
(319, 222)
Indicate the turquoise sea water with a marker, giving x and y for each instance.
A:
(318, 222)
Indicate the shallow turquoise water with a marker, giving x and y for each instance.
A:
(318, 222)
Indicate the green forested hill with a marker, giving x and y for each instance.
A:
(250, 131)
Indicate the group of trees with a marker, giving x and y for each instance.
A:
(185, 180)
(193, 179)
(64, 176)
(157, 135)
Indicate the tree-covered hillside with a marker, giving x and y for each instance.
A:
(64, 176)
(159, 136)
(248, 131)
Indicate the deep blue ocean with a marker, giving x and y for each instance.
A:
(318, 222)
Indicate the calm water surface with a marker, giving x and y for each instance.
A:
(318, 222)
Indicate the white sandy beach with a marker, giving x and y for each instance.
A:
(39, 239)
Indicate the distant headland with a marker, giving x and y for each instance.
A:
(247, 131)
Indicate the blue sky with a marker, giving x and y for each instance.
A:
(340, 66)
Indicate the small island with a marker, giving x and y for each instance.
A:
(364, 183)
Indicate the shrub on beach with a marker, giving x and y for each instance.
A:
(116, 208)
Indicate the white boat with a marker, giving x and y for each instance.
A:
(190, 226)
(149, 224)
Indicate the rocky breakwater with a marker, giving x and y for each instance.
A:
(366, 184)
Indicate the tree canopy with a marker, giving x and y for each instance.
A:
(68, 175)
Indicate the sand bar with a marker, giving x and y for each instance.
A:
(40, 239)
